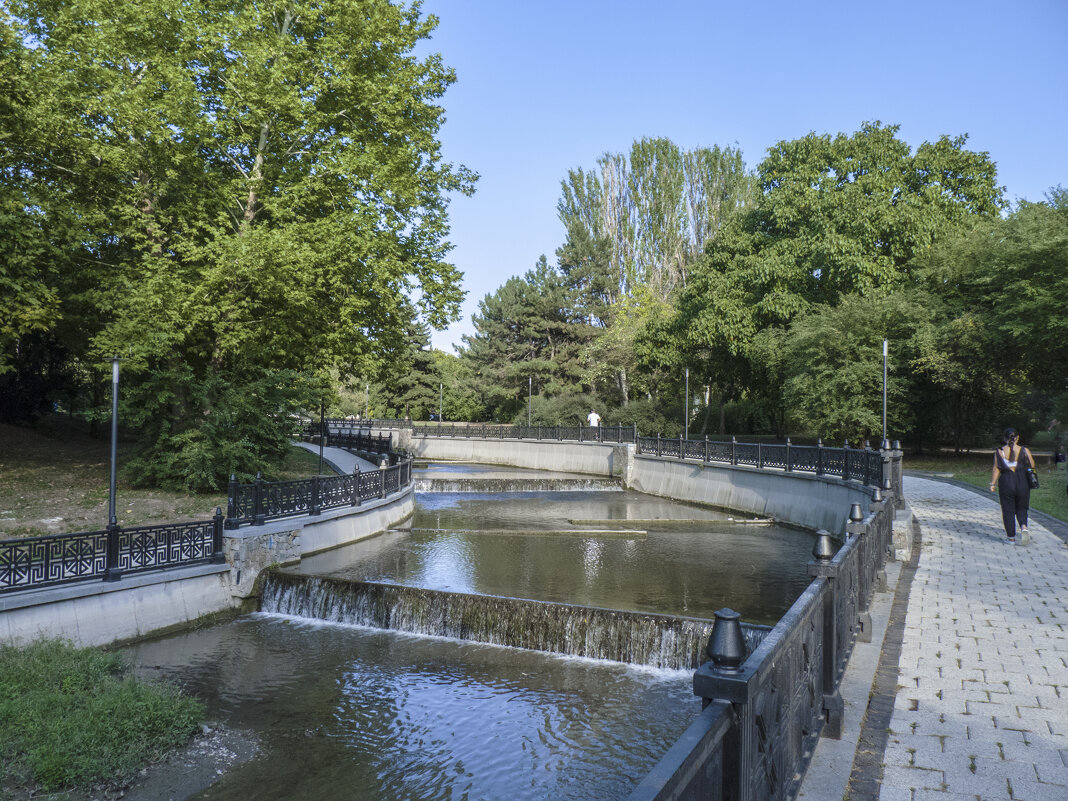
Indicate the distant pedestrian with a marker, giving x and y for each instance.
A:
(1009, 478)
(593, 419)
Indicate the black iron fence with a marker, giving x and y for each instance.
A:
(764, 707)
(108, 554)
(257, 502)
(858, 464)
(618, 434)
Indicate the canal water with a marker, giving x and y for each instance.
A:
(348, 711)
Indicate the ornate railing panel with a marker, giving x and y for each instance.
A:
(154, 547)
(55, 559)
(33, 562)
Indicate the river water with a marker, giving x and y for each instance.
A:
(346, 712)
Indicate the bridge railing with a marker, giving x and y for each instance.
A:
(858, 464)
(618, 434)
(56, 559)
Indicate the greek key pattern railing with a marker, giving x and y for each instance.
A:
(33, 562)
(863, 465)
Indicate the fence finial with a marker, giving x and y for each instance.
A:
(823, 549)
(726, 645)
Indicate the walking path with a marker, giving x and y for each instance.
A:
(970, 701)
(982, 702)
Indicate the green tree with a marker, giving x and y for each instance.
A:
(261, 186)
(527, 334)
(836, 218)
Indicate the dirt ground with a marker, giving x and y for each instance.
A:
(54, 479)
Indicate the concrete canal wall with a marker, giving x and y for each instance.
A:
(99, 612)
(799, 499)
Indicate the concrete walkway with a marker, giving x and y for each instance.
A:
(981, 710)
(339, 459)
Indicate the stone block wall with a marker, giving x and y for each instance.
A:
(248, 552)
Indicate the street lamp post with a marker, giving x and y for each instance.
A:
(885, 352)
(530, 392)
(322, 432)
(686, 407)
(112, 572)
(441, 396)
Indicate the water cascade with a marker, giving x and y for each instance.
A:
(654, 640)
(516, 484)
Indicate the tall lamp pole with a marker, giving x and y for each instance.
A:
(322, 432)
(686, 422)
(885, 352)
(112, 571)
(441, 396)
(112, 518)
(530, 393)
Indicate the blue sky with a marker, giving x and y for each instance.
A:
(545, 87)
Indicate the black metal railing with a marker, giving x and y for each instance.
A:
(858, 464)
(51, 560)
(260, 501)
(764, 707)
(618, 434)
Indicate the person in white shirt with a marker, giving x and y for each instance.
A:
(593, 419)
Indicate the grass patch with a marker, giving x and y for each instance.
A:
(74, 718)
(54, 480)
(975, 469)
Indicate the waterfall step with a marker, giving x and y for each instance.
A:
(669, 522)
(629, 533)
(639, 638)
(495, 485)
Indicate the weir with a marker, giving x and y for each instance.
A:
(652, 640)
(510, 485)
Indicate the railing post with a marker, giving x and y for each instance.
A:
(845, 461)
(734, 450)
(355, 500)
(580, 432)
(819, 456)
(856, 527)
(760, 455)
(217, 555)
(112, 571)
(382, 479)
(600, 434)
(706, 449)
(658, 446)
(682, 447)
(232, 521)
(724, 680)
(258, 516)
(315, 508)
(822, 567)
(635, 433)
(789, 461)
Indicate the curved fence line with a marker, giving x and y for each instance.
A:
(257, 502)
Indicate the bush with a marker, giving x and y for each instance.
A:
(74, 717)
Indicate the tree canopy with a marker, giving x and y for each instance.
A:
(221, 193)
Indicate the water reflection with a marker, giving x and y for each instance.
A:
(349, 713)
(683, 560)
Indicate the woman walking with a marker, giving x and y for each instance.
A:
(1011, 461)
